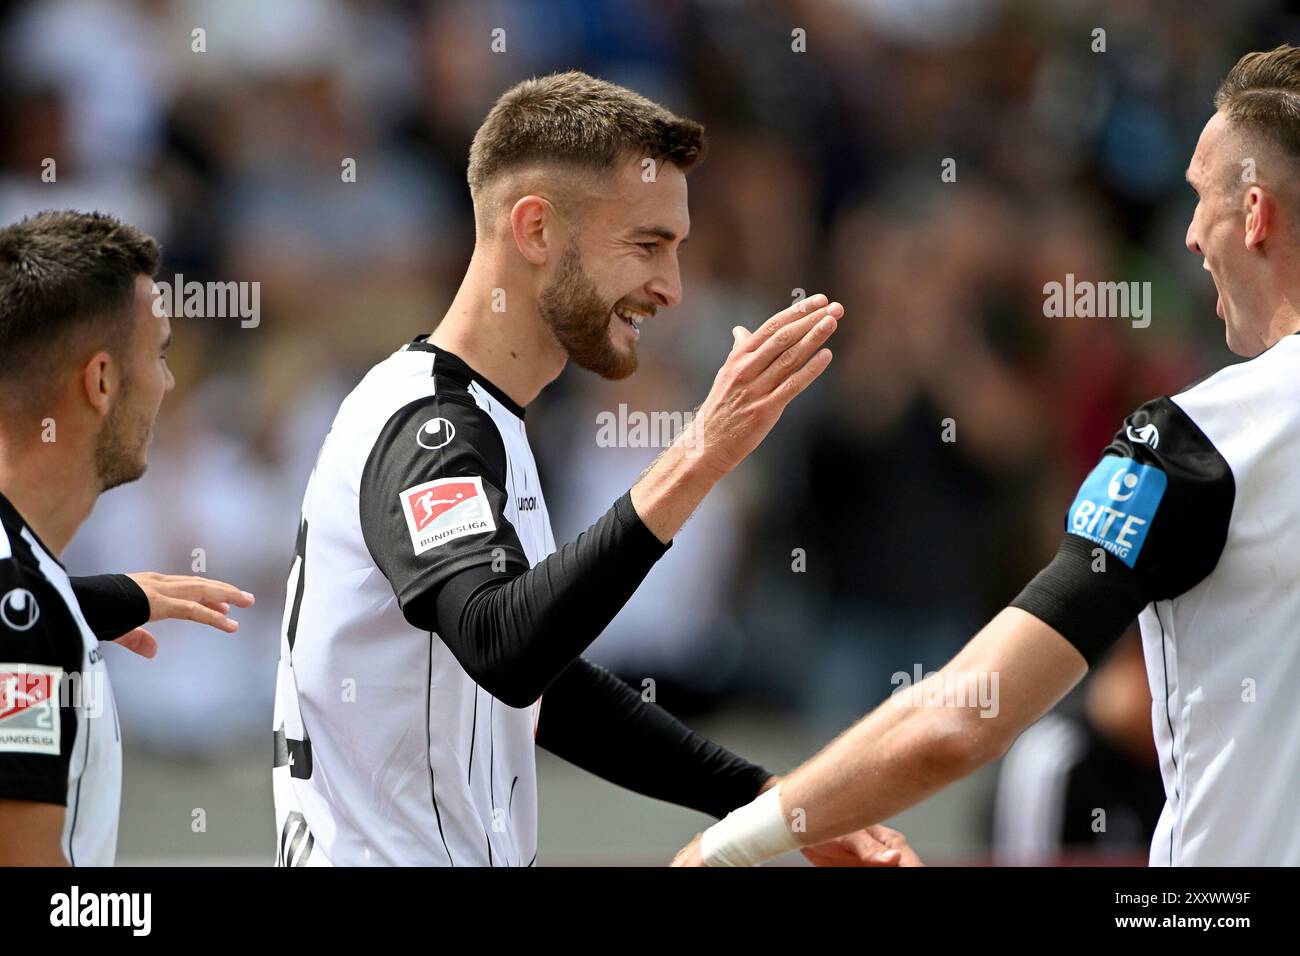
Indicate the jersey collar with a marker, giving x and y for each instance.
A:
(450, 362)
(11, 518)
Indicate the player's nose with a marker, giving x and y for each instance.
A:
(666, 290)
(1190, 239)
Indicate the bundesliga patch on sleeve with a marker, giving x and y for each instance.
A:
(1116, 505)
(444, 510)
(29, 709)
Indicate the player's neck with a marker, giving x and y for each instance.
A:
(512, 347)
(1285, 320)
(53, 495)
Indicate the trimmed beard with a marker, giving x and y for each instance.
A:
(119, 456)
(579, 319)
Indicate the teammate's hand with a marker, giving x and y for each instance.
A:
(764, 372)
(175, 597)
(690, 855)
(872, 846)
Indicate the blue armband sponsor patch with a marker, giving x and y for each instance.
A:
(1116, 504)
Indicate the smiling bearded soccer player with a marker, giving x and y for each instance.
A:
(1195, 510)
(83, 376)
(428, 608)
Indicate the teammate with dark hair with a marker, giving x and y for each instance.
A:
(83, 376)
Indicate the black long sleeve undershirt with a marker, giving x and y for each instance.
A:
(518, 633)
(515, 631)
(112, 604)
(597, 722)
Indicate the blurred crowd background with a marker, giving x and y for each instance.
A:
(857, 543)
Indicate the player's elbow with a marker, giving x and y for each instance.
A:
(512, 691)
(514, 671)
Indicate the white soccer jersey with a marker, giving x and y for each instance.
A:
(1198, 494)
(59, 736)
(388, 753)
(1224, 658)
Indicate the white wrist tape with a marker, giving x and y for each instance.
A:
(749, 835)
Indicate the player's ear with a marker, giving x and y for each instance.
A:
(1260, 212)
(536, 228)
(99, 381)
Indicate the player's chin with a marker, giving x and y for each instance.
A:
(118, 477)
(140, 460)
(619, 361)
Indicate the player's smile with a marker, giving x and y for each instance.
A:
(631, 318)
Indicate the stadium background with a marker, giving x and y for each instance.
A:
(823, 174)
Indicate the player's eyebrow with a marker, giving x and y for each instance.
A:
(663, 232)
(167, 342)
(1187, 175)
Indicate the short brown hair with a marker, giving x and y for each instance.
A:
(577, 120)
(64, 273)
(1261, 94)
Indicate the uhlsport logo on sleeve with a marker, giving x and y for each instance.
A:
(1116, 504)
(29, 708)
(444, 510)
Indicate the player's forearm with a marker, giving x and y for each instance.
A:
(890, 760)
(597, 722)
(515, 636)
(673, 487)
(896, 757)
(929, 735)
(915, 743)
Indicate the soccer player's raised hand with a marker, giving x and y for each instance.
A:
(764, 372)
(178, 597)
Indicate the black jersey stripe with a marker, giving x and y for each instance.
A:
(473, 732)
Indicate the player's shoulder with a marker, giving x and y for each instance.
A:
(1203, 416)
(421, 381)
(1273, 374)
(448, 425)
(1161, 431)
(31, 607)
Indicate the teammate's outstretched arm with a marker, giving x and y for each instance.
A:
(116, 606)
(1149, 523)
(911, 746)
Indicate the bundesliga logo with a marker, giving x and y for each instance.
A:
(444, 510)
(29, 713)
